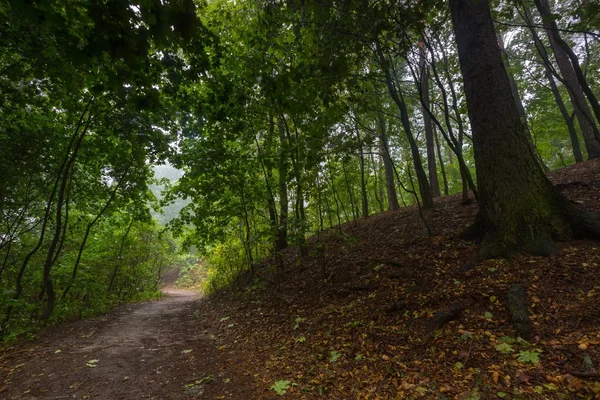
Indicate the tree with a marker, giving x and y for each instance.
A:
(575, 82)
(520, 209)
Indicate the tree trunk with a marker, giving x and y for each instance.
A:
(455, 143)
(299, 203)
(547, 16)
(513, 84)
(363, 181)
(442, 168)
(48, 286)
(396, 94)
(519, 208)
(390, 183)
(350, 191)
(378, 188)
(283, 196)
(589, 128)
(553, 87)
(429, 140)
(120, 257)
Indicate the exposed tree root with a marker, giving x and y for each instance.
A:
(517, 306)
(441, 318)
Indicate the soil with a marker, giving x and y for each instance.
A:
(154, 350)
(358, 317)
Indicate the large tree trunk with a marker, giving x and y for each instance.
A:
(519, 208)
(589, 128)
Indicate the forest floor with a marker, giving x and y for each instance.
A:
(358, 317)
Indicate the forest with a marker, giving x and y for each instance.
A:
(286, 122)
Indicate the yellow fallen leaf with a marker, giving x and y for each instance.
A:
(495, 376)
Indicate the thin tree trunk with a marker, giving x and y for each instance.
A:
(573, 83)
(350, 191)
(442, 168)
(390, 183)
(363, 182)
(455, 143)
(89, 227)
(429, 140)
(378, 189)
(548, 72)
(299, 203)
(62, 193)
(283, 195)
(120, 258)
(396, 95)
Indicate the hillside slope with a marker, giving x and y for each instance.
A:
(355, 318)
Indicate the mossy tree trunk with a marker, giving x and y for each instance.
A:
(519, 208)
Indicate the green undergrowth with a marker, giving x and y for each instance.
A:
(122, 262)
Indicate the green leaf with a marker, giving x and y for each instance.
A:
(501, 395)
(281, 387)
(507, 339)
(488, 315)
(550, 386)
(528, 357)
(334, 356)
(504, 348)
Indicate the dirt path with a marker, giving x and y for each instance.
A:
(155, 350)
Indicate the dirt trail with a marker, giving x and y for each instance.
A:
(155, 350)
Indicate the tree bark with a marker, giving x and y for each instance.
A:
(519, 208)
(429, 140)
(396, 94)
(513, 84)
(553, 87)
(48, 286)
(283, 196)
(454, 142)
(390, 183)
(363, 181)
(120, 257)
(442, 168)
(589, 128)
(378, 188)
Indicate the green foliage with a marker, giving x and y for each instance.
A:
(281, 387)
(529, 356)
(334, 356)
(504, 348)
